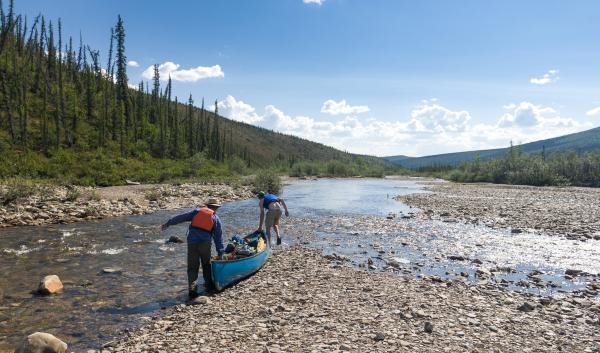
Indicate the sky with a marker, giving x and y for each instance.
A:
(377, 77)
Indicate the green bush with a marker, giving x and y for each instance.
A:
(16, 189)
(72, 195)
(267, 181)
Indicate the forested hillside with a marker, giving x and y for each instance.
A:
(66, 114)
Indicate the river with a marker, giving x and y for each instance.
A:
(347, 217)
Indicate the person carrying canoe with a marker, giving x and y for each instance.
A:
(205, 225)
(272, 204)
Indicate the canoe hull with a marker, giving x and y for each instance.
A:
(226, 273)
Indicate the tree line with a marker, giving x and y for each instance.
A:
(56, 94)
(577, 168)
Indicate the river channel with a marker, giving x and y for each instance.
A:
(345, 217)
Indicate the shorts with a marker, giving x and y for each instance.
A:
(272, 218)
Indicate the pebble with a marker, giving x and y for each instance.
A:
(327, 309)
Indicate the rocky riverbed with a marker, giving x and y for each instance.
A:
(302, 302)
(58, 204)
(570, 211)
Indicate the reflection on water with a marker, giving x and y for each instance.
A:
(343, 216)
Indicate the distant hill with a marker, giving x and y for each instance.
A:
(581, 141)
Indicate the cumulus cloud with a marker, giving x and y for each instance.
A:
(315, 2)
(593, 112)
(429, 128)
(549, 77)
(335, 108)
(133, 63)
(238, 110)
(169, 68)
(526, 114)
(432, 117)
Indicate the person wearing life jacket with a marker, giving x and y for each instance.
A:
(205, 225)
(272, 204)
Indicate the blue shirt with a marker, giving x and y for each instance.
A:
(195, 235)
(269, 199)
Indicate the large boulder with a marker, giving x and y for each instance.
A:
(50, 285)
(41, 342)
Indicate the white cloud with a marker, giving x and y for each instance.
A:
(526, 114)
(430, 128)
(238, 110)
(316, 2)
(335, 108)
(549, 77)
(593, 112)
(432, 117)
(133, 63)
(185, 75)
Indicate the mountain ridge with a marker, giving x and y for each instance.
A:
(580, 142)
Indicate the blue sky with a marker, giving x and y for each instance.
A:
(376, 77)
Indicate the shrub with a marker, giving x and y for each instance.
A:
(95, 196)
(16, 189)
(267, 181)
(72, 195)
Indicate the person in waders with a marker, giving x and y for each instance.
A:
(205, 225)
(272, 204)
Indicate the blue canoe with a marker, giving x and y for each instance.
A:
(228, 272)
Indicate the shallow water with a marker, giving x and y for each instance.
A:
(344, 216)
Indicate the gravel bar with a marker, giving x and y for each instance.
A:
(570, 211)
(303, 302)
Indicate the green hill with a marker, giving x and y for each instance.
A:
(580, 142)
(65, 115)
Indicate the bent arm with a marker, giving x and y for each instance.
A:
(287, 213)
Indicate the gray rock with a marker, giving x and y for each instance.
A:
(379, 336)
(428, 327)
(525, 307)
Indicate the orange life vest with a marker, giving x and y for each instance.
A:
(204, 219)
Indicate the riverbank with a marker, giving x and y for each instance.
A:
(49, 204)
(570, 211)
(301, 302)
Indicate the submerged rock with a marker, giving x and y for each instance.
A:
(50, 285)
(174, 239)
(41, 342)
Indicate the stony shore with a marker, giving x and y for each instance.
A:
(302, 302)
(570, 211)
(57, 204)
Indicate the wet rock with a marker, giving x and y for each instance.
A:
(174, 239)
(50, 285)
(112, 270)
(477, 261)
(572, 272)
(516, 231)
(397, 261)
(457, 258)
(526, 307)
(41, 342)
